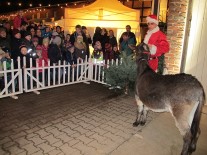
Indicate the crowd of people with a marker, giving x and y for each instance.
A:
(43, 43)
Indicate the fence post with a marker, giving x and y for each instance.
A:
(20, 78)
(25, 74)
(90, 68)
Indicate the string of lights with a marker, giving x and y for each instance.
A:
(41, 8)
(14, 6)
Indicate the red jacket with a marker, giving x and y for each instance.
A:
(17, 22)
(45, 54)
(161, 46)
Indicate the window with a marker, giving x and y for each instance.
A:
(144, 6)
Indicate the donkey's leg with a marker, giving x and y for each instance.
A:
(144, 116)
(194, 142)
(185, 131)
(187, 141)
(181, 113)
(139, 111)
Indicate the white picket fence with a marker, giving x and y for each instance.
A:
(34, 79)
(12, 81)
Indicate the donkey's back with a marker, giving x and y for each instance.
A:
(164, 92)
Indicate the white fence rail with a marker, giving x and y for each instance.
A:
(11, 80)
(33, 79)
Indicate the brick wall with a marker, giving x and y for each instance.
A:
(175, 33)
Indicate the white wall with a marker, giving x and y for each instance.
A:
(196, 62)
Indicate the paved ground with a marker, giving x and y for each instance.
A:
(79, 119)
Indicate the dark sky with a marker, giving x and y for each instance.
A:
(25, 4)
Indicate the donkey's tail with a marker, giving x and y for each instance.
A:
(195, 130)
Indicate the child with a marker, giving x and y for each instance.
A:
(29, 55)
(71, 56)
(109, 53)
(80, 48)
(6, 57)
(97, 54)
(39, 60)
(116, 53)
(35, 42)
(2, 56)
(45, 45)
(72, 60)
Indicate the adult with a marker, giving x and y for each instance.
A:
(15, 44)
(156, 41)
(89, 40)
(96, 36)
(80, 48)
(39, 36)
(60, 33)
(130, 34)
(104, 38)
(4, 40)
(32, 31)
(23, 29)
(112, 39)
(19, 19)
(54, 51)
(127, 44)
(55, 55)
(7, 26)
(79, 32)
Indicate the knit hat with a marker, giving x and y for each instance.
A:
(22, 46)
(56, 40)
(35, 39)
(152, 19)
(15, 31)
(38, 48)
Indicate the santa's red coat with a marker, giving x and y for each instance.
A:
(159, 40)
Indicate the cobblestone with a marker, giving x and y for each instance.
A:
(30, 148)
(59, 122)
(37, 140)
(46, 147)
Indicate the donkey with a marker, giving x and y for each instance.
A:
(181, 94)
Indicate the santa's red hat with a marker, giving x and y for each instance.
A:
(152, 19)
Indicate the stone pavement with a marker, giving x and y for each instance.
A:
(86, 119)
(77, 119)
(161, 137)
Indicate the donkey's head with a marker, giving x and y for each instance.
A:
(142, 52)
(142, 57)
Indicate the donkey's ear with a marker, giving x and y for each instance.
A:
(146, 47)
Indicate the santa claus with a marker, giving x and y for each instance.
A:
(156, 41)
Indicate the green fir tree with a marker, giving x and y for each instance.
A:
(122, 75)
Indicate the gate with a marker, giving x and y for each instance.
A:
(11, 81)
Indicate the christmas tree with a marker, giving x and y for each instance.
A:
(122, 75)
